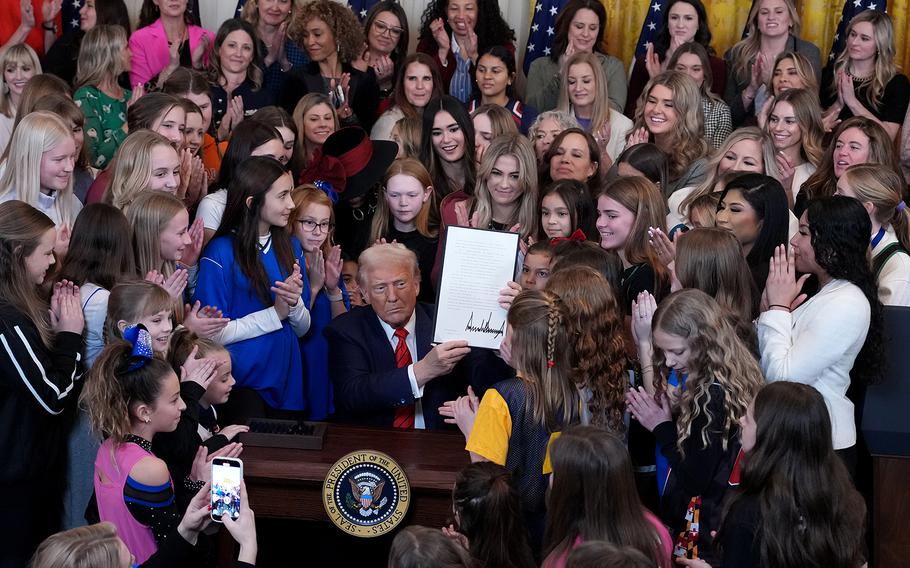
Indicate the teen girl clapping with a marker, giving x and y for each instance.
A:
(251, 270)
(40, 378)
(691, 334)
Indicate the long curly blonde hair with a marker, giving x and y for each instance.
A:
(717, 356)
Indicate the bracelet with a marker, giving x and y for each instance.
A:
(779, 306)
(52, 28)
(336, 298)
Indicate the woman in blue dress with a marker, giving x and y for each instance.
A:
(252, 270)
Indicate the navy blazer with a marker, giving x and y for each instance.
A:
(368, 385)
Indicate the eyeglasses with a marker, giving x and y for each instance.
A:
(310, 226)
(385, 29)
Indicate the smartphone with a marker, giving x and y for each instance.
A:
(227, 474)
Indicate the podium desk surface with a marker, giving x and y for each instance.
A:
(287, 483)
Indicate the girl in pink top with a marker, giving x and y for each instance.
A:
(593, 497)
(131, 395)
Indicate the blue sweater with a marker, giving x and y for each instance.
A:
(271, 363)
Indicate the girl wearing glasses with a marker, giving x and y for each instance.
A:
(314, 225)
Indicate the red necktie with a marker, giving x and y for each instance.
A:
(404, 415)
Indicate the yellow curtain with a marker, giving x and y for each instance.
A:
(728, 17)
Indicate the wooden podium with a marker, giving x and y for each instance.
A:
(287, 484)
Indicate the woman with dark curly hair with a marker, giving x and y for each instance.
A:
(686, 21)
(387, 36)
(236, 77)
(456, 33)
(837, 333)
(579, 27)
(333, 38)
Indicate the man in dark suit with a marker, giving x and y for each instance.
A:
(382, 365)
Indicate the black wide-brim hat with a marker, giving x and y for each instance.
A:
(365, 161)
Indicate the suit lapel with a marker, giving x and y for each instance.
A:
(379, 342)
(423, 327)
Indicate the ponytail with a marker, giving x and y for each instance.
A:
(541, 356)
(901, 223)
(490, 516)
(182, 343)
(115, 383)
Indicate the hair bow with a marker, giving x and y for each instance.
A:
(578, 235)
(326, 168)
(141, 340)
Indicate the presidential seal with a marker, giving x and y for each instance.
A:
(366, 493)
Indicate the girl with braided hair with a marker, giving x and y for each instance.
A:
(692, 334)
(517, 418)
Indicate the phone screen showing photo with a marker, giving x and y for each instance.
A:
(226, 476)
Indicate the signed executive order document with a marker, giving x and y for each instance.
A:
(476, 265)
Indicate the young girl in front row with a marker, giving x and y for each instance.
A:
(488, 519)
(251, 270)
(403, 215)
(789, 471)
(691, 334)
(585, 460)
(198, 422)
(517, 418)
(314, 227)
(40, 372)
(131, 395)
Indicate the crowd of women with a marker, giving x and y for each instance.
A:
(706, 250)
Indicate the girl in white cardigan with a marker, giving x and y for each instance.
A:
(820, 340)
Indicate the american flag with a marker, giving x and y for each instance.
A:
(69, 15)
(851, 8)
(361, 7)
(650, 26)
(543, 30)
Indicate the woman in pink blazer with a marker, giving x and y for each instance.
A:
(166, 40)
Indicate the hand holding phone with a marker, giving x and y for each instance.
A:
(227, 478)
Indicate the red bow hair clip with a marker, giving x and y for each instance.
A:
(578, 235)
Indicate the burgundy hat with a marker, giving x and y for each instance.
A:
(350, 162)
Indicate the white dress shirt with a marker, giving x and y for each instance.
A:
(411, 342)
